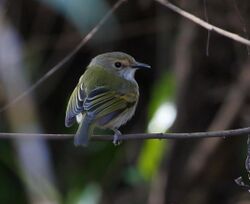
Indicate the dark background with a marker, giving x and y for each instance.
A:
(208, 89)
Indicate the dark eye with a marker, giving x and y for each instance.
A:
(118, 64)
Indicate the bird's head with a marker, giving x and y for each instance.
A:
(118, 63)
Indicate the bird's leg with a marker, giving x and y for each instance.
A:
(116, 140)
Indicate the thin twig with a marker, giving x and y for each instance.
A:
(66, 59)
(138, 136)
(204, 24)
(208, 32)
(242, 20)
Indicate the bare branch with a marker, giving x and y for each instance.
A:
(203, 23)
(228, 111)
(66, 59)
(138, 136)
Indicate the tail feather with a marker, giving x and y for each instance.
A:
(83, 132)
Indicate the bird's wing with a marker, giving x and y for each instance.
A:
(106, 104)
(75, 105)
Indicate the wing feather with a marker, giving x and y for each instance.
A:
(75, 105)
(104, 102)
(101, 103)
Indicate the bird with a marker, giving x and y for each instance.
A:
(106, 96)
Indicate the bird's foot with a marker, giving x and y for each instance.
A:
(117, 135)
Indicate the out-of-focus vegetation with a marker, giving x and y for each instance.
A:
(186, 89)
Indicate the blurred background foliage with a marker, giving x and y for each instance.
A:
(187, 90)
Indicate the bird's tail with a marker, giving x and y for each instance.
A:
(83, 132)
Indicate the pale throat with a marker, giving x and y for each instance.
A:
(128, 74)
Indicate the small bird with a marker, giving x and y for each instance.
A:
(106, 96)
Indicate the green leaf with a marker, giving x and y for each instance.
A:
(150, 158)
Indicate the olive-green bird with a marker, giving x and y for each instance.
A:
(105, 96)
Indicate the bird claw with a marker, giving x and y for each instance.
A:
(116, 140)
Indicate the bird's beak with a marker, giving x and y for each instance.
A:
(139, 65)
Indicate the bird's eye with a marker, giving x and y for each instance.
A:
(118, 64)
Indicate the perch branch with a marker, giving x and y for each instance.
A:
(203, 23)
(138, 136)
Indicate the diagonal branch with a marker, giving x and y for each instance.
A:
(66, 59)
(138, 136)
(204, 24)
